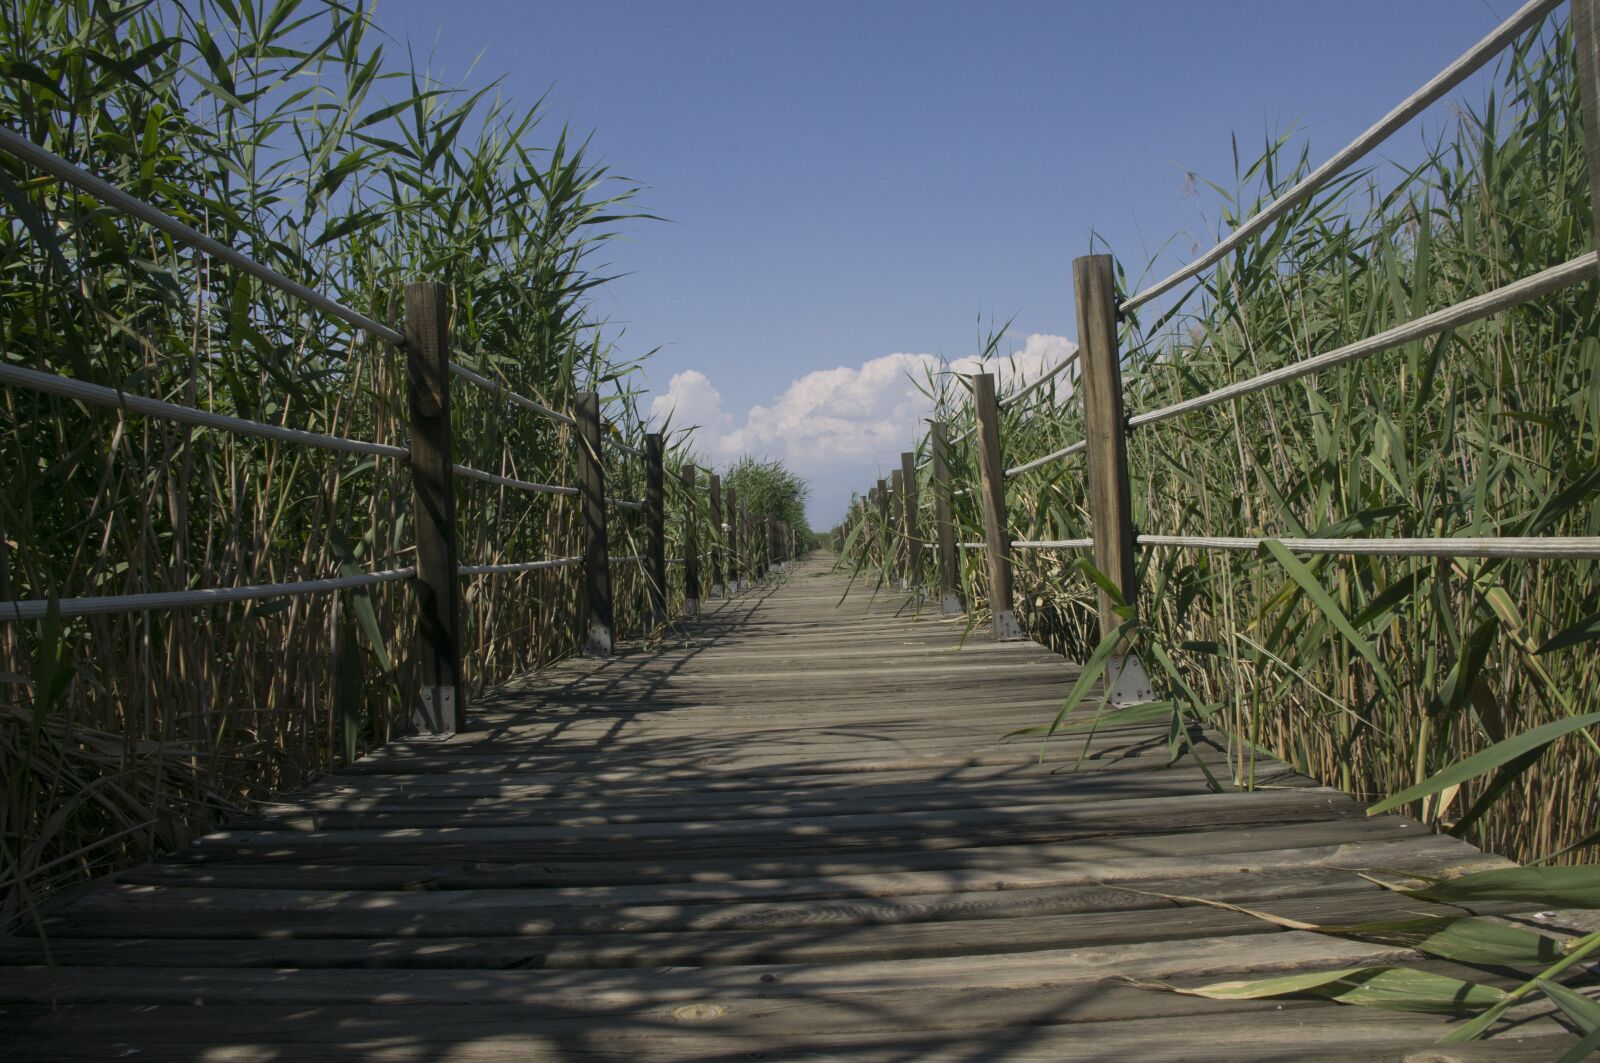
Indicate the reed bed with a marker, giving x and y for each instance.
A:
(1493, 429)
(291, 132)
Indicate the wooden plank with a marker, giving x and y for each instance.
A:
(791, 830)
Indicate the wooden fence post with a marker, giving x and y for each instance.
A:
(997, 534)
(732, 530)
(427, 330)
(747, 553)
(719, 583)
(691, 545)
(897, 494)
(944, 519)
(885, 532)
(655, 511)
(596, 552)
(1105, 427)
(913, 522)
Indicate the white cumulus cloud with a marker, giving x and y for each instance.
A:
(838, 428)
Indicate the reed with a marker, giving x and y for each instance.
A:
(1493, 429)
(289, 131)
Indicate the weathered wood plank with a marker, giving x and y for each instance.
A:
(789, 830)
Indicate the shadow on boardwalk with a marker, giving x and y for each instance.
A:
(789, 831)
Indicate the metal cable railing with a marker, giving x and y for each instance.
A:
(1520, 546)
(517, 566)
(1466, 311)
(470, 473)
(1054, 455)
(1508, 546)
(501, 391)
(1110, 500)
(1055, 371)
(431, 371)
(207, 596)
(110, 398)
(56, 166)
(1431, 92)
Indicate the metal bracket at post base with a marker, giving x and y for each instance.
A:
(718, 591)
(691, 606)
(598, 642)
(1006, 628)
(1127, 683)
(436, 715)
(952, 604)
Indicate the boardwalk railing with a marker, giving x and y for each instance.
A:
(742, 548)
(887, 519)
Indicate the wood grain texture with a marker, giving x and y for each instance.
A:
(597, 609)
(1105, 427)
(792, 829)
(433, 515)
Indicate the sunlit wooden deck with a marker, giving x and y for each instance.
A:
(791, 833)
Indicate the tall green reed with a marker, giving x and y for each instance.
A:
(289, 131)
(1491, 430)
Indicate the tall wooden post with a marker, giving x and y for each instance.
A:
(732, 530)
(944, 520)
(443, 706)
(913, 522)
(1586, 35)
(885, 534)
(655, 548)
(1105, 428)
(747, 552)
(897, 494)
(596, 551)
(719, 581)
(997, 534)
(691, 544)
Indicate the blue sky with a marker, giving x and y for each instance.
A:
(851, 181)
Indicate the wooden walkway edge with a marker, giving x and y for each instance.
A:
(790, 832)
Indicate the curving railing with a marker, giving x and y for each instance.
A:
(741, 550)
(1107, 426)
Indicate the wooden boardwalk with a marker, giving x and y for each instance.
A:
(790, 833)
